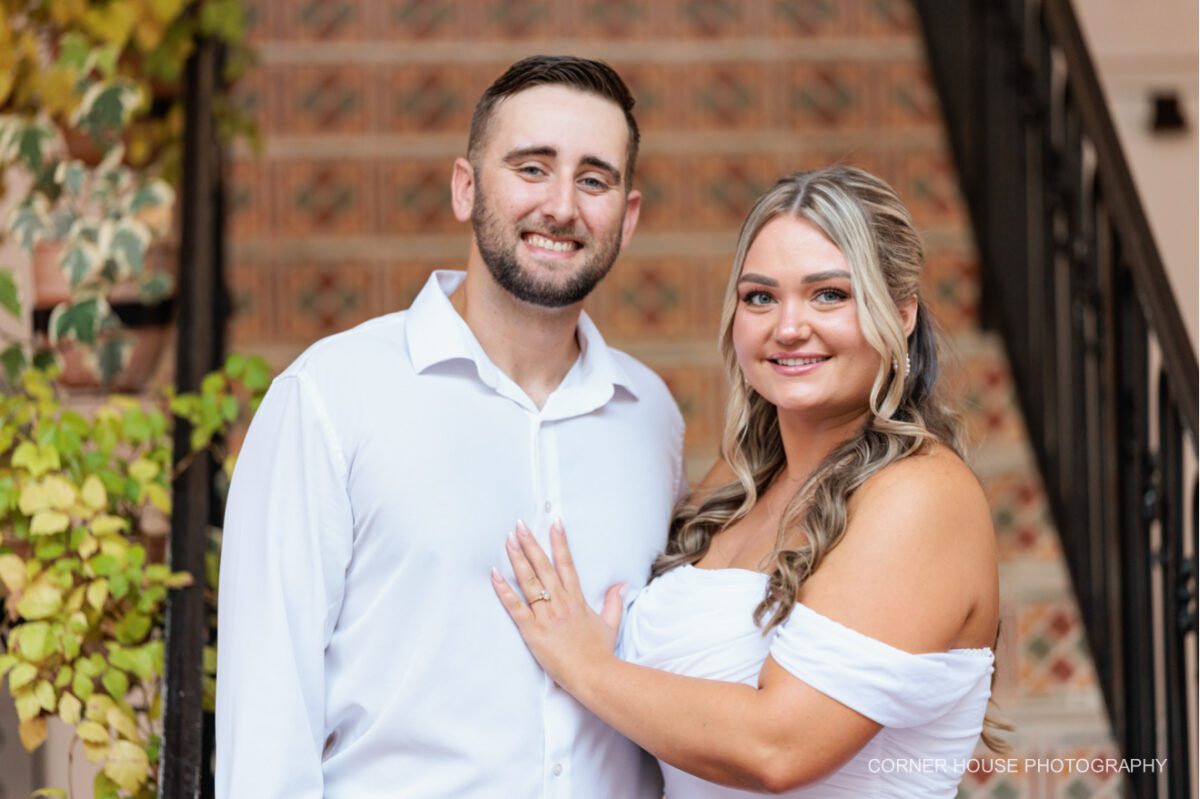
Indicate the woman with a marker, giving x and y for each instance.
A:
(821, 620)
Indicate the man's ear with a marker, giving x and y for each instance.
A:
(633, 208)
(462, 189)
(908, 314)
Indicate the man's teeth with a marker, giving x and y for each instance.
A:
(551, 244)
(800, 361)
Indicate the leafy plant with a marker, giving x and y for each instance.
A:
(91, 111)
(84, 512)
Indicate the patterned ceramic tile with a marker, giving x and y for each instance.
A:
(1054, 658)
(1075, 772)
(701, 393)
(928, 184)
(621, 20)
(252, 285)
(403, 281)
(513, 19)
(984, 384)
(987, 777)
(320, 299)
(248, 192)
(709, 19)
(426, 98)
(320, 20)
(804, 19)
(324, 197)
(418, 20)
(726, 187)
(415, 197)
(252, 97)
(907, 99)
(727, 96)
(326, 99)
(888, 19)
(1021, 517)
(659, 103)
(660, 299)
(666, 186)
(831, 96)
(950, 283)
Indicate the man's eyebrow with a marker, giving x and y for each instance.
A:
(527, 152)
(546, 151)
(614, 174)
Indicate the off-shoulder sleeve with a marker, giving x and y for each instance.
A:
(887, 685)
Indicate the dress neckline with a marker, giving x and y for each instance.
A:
(982, 651)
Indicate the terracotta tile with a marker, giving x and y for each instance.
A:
(661, 299)
(1052, 651)
(415, 197)
(249, 198)
(708, 19)
(319, 299)
(252, 286)
(403, 281)
(323, 99)
(928, 183)
(811, 19)
(907, 99)
(325, 197)
(727, 96)
(701, 394)
(950, 287)
(418, 20)
(656, 91)
(620, 20)
(425, 98)
(664, 182)
(826, 96)
(888, 19)
(320, 20)
(1021, 516)
(513, 19)
(726, 188)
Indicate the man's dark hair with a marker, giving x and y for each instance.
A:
(584, 74)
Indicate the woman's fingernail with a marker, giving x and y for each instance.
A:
(512, 538)
(620, 591)
(522, 530)
(495, 575)
(557, 523)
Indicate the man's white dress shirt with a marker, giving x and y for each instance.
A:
(363, 652)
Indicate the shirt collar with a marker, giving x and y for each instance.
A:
(436, 333)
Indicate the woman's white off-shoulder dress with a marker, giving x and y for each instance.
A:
(698, 622)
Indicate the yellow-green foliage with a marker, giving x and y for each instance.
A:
(83, 594)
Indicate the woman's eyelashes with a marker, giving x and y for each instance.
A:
(826, 295)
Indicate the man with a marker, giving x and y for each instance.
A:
(363, 652)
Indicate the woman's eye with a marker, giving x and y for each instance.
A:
(831, 295)
(757, 298)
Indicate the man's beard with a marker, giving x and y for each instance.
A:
(500, 255)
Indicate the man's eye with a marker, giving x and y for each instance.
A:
(596, 184)
(532, 171)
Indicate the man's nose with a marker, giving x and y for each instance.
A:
(559, 204)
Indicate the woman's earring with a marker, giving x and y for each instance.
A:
(907, 364)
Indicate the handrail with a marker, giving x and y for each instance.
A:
(1073, 281)
(1150, 280)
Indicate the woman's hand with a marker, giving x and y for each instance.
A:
(566, 636)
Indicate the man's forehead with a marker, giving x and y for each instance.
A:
(561, 118)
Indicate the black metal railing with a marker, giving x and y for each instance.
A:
(1105, 370)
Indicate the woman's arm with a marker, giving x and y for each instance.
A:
(915, 557)
(728, 733)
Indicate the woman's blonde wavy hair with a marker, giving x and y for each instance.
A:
(869, 224)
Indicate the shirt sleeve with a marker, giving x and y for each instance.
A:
(891, 687)
(285, 549)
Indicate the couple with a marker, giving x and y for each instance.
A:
(826, 598)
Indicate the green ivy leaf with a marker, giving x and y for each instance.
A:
(21, 675)
(10, 295)
(14, 362)
(79, 321)
(132, 628)
(116, 683)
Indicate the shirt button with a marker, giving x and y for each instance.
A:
(557, 770)
(548, 506)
